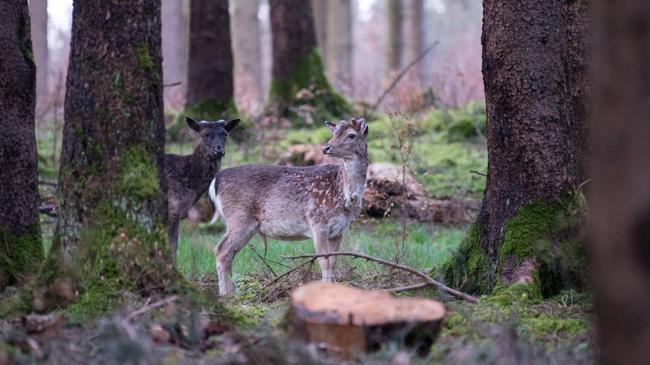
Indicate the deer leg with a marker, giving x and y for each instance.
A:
(321, 245)
(173, 236)
(334, 244)
(231, 243)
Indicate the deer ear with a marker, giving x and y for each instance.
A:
(362, 125)
(196, 127)
(231, 124)
(331, 126)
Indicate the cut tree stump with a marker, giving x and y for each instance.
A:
(352, 321)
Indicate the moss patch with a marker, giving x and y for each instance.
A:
(138, 174)
(470, 269)
(20, 255)
(307, 96)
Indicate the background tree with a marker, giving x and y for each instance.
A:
(110, 234)
(394, 35)
(174, 49)
(38, 15)
(247, 53)
(413, 14)
(620, 191)
(297, 64)
(21, 249)
(320, 9)
(527, 229)
(210, 90)
(339, 42)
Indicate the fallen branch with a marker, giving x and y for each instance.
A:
(151, 306)
(399, 77)
(411, 270)
(407, 288)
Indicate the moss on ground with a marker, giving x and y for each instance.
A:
(307, 91)
(546, 233)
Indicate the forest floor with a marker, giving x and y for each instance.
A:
(251, 327)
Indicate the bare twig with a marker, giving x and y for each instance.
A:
(263, 261)
(400, 75)
(287, 273)
(411, 270)
(477, 173)
(172, 84)
(47, 183)
(148, 307)
(585, 182)
(407, 287)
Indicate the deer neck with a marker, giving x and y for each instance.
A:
(354, 173)
(202, 168)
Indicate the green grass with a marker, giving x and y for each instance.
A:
(427, 247)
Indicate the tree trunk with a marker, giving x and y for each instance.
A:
(339, 42)
(320, 22)
(247, 51)
(174, 49)
(38, 15)
(620, 191)
(414, 35)
(394, 36)
(210, 90)
(297, 76)
(21, 249)
(578, 17)
(527, 231)
(111, 233)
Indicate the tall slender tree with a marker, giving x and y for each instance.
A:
(247, 51)
(394, 35)
(620, 192)
(413, 11)
(38, 15)
(297, 64)
(174, 49)
(210, 89)
(339, 42)
(527, 231)
(21, 249)
(110, 234)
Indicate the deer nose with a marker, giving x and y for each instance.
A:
(327, 148)
(219, 152)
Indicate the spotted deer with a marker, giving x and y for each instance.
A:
(293, 203)
(188, 177)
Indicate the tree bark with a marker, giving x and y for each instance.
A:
(297, 75)
(174, 49)
(21, 250)
(38, 15)
(247, 51)
(111, 234)
(394, 36)
(339, 42)
(527, 231)
(210, 89)
(320, 23)
(414, 35)
(620, 191)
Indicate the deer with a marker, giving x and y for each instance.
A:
(188, 177)
(293, 203)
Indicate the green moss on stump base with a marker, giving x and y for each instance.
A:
(20, 255)
(546, 234)
(307, 91)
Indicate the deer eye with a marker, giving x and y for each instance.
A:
(351, 136)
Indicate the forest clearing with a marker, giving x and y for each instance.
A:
(324, 182)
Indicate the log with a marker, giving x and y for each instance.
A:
(351, 321)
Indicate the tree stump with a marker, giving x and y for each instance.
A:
(350, 321)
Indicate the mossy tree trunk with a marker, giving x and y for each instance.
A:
(528, 228)
(620, 191)
(21, 250)
(297, 76)
(210, 86)
(110, 234)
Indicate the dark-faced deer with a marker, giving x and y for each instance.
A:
(293, 203)
(188, 177)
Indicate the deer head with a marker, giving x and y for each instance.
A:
(213, 135)
(348, 140)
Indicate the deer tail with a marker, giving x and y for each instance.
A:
(212, 192)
